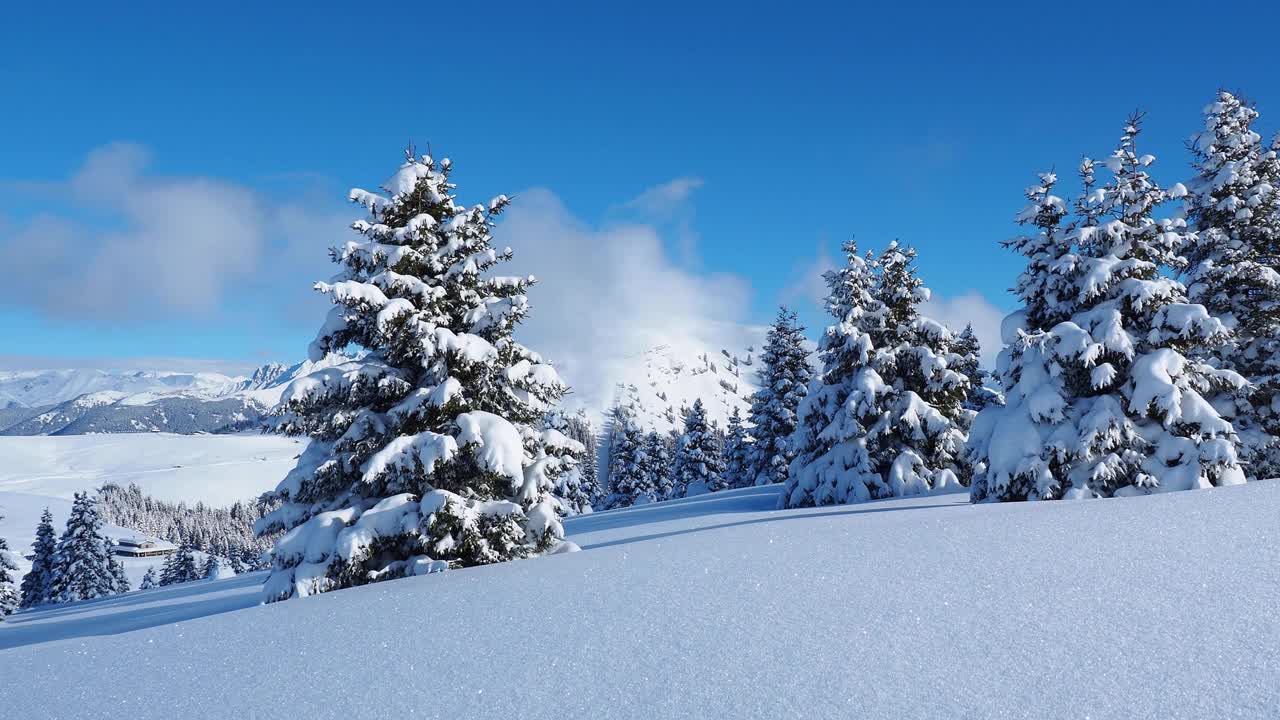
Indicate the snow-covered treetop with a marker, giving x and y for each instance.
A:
(1042, 285)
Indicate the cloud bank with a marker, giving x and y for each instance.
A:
(118, 241)
(607, 294)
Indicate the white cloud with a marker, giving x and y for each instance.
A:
(663, 201)
(157, 245)
(171, 243)
(973, 308)
(607, 294)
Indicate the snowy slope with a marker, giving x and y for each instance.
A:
(661, 382)
(720, 606)
(214, 469)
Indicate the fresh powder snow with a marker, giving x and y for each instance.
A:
(719, 606)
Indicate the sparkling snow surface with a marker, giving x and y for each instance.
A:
(721, 607)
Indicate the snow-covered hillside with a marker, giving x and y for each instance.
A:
(214, 469)
(721, 606)
(659, 384)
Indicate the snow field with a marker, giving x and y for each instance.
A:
(720, 606)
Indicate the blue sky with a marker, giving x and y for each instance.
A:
(746, 139)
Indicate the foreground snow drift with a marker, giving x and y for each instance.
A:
(718, 606)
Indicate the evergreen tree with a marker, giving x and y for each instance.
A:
(921, 446)
(119, 580)
(1108, 402)
(559, 446)
(209, 571)
(1035, 392)
(885, 415)
(737, 452)
(35, 584)
(149, 580)
(844, 406)
(655, 463)
(9, 597)
(1234, 208)
(180, 567)
(969, 351)
(628, 476)
(1045, 286)
(698, 466)
(784, 380)
(82, 568)
(428, 426)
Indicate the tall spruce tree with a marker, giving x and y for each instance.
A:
(737, 452)
(83, 565)
(428, 426)
(921, 446)
(36, 583)
(1033, 421)
(844, 407)
(784, 380)
(629, 479)
(655, 463)
(9, 596)
(1233, 206)
(1110, 401)
(698, 466)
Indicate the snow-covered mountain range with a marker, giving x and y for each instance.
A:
(656, 385)
(80, 401)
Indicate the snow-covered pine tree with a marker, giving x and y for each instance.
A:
(119, 580)
(571, 458)
(1033, 423)
(844, 405)
(82, 568)
(418, 458)
(1108, 402)
(628, 477)
(9, 596)
(1233, 206)
(698, 466)
(35, 584)
(180, 567)
(209, 571)
(784, 380)
(969, 351)
(737, 452)
(149, 580)
(660, 482)
(921, 446)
